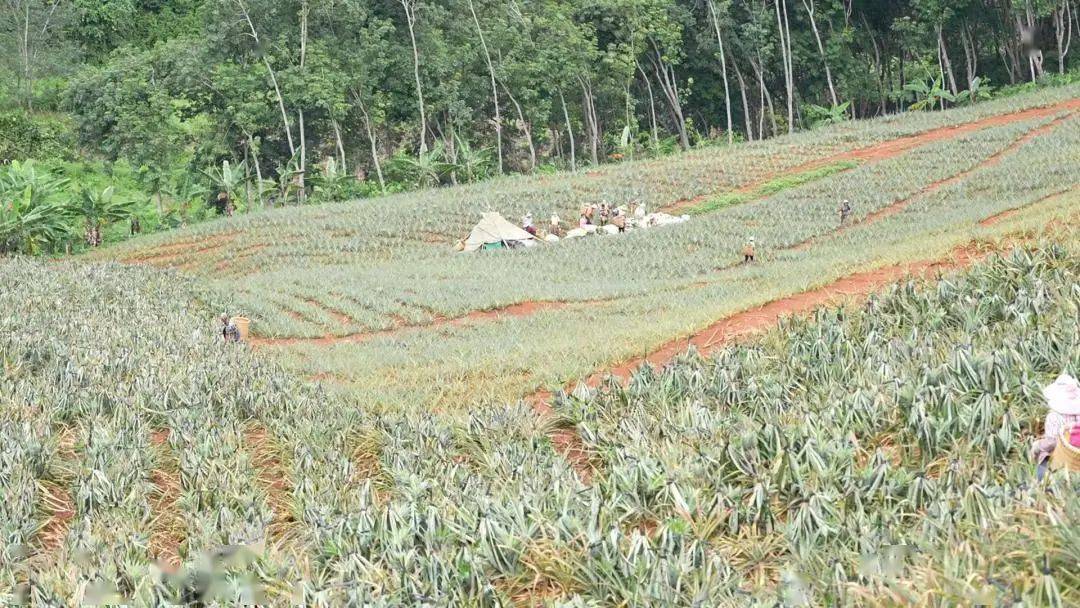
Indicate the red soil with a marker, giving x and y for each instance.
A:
(273, 480)
(58, 502)
(342, 318)
(168, 523)
(894, 148)
(1004, 215)
(565, 440)
(767, 315)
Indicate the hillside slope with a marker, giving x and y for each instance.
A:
(793, 464)
(373, 298)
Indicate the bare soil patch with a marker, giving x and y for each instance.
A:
(273, 480)
(57, 502)
(167, 530)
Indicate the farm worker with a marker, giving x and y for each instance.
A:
(605, 214)
(748, 251)
(619, 221)
(225, 203)
(229, 331)
(1063, 400)
(845, 211)
(588, 213)
(556, 225)
(527, 224)
(136, 227)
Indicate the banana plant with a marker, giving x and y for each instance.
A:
(29, 223)
(928, 94)
(99, 209)
(230, 181)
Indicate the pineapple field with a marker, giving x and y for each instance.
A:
(378, 304)
(870, 454)
(618, 420)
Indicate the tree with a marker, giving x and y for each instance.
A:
(411, 7)
(35, 27)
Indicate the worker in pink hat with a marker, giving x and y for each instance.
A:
(1063, 399)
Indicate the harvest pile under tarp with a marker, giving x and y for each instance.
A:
(494, 230)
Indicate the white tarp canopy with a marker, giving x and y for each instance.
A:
(493, 228)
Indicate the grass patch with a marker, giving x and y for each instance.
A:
(771, 187)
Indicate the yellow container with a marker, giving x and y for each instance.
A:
(1065, 455)
(243, 325)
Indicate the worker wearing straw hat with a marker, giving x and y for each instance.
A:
(748, 251)
(1063, 399)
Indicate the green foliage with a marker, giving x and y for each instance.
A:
(98, 209)
(32, 217)
(820, 115)
(25, 135)
(928, 94)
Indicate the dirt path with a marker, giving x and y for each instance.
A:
(892, 148)
(565, 440)
(273, 480)
(997, 218)
(56, 500)
(523, 309)
(568, 442)
(766, 316)
(167, 530)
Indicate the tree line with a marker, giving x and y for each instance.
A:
(299, 94)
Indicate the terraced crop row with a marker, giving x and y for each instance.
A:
(631, 307)
(844, 438)
(425, 224)
(633, 264)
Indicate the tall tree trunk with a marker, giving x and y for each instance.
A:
(526, 127)
(784, 30)
(302, 192)
(723, 71)
(410, 19)
(810, 9)
(879, 71)
(569, 132)
(247, 175)
(340, 145)
(494, 86)
(971, 56)
(652, 106)
(669, 85)
(589, 108)
(1028, 33)
(273, 78)
(258, 169)
(745, 103)
(28, 76)
(1063, 31)
(765, 96)
(946, 64)
(370, 129)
